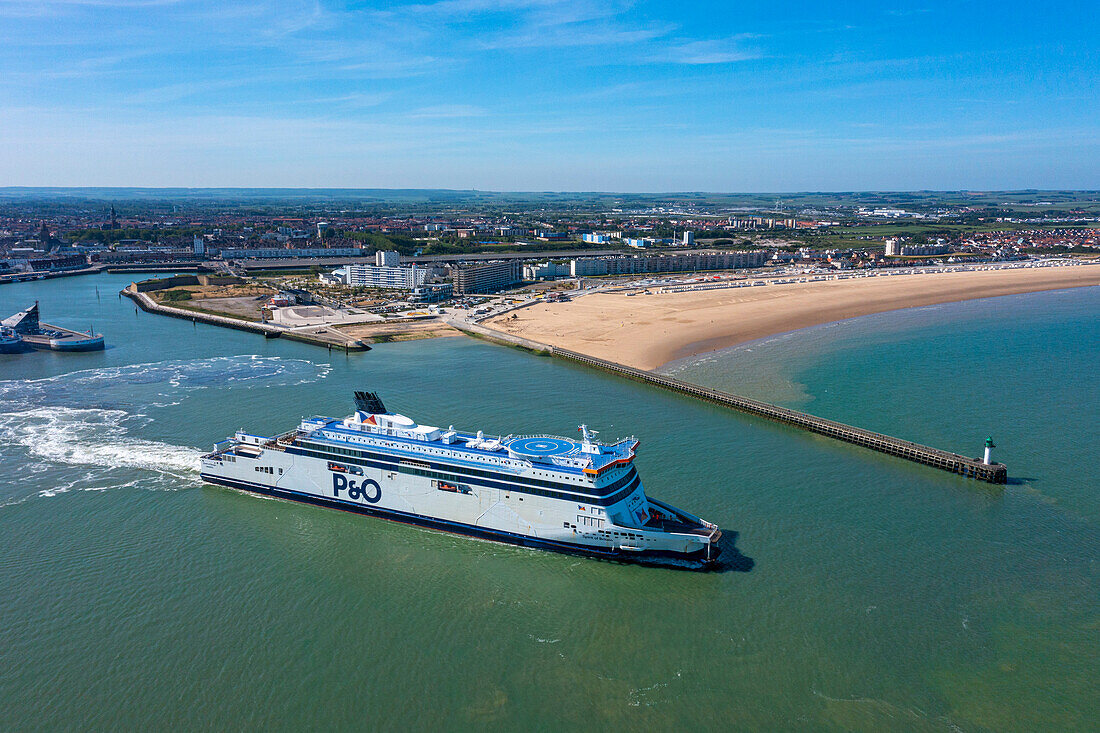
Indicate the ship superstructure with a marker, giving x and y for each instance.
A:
(542, 491)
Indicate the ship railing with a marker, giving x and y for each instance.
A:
(284, 439)
(539, 435)
(620, 441)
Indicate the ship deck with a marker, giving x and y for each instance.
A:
(557, 452)
(62, 339)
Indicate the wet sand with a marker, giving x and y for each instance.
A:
(646, 331)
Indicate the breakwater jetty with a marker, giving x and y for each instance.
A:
(994, 473)
(148, 305)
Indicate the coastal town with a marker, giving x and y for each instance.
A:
(47, 234)
(347, 273)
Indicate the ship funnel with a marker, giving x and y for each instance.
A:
(370, 403)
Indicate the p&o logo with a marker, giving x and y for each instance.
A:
(366, 490)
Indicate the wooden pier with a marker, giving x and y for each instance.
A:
(994, 473)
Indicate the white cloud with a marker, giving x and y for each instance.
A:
(719, 51)
(448, 111)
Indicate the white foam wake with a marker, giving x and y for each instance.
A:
(97, 439)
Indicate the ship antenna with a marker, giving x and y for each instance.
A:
(588, 446)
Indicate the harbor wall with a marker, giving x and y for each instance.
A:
(995, 473)
(179, 281)
(148, 305)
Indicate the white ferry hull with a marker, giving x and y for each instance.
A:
(477, 510)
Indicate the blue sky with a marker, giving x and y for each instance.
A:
(544, 95)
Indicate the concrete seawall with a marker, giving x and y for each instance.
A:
(995, 473)
(147, 304)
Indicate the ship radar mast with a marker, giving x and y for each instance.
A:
(587, 446)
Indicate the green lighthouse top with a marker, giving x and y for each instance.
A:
(989, 443)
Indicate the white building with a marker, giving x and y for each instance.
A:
(919, 250)
(392, 278)
(546, 271)
(689, 239)
(387, 258)
(893, 247)
(638, 264)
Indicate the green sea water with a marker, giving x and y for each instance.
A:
(865, 593)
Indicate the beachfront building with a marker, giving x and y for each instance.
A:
(924, 250)
(546, 271)
(432, 293)
(388, 278)
(487, 277)
(638, 264)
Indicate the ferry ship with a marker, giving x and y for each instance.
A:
(540, 491)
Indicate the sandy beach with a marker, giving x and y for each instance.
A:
(646, 331)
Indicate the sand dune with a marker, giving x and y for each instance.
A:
(646, 331)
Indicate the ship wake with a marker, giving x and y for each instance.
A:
(57, 449)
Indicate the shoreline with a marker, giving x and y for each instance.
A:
(651, 331)
(681, 360)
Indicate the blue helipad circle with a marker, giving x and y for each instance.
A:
(541, 446)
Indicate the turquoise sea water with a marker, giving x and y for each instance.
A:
(868, 593)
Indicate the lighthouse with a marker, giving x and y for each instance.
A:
(988, 448)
